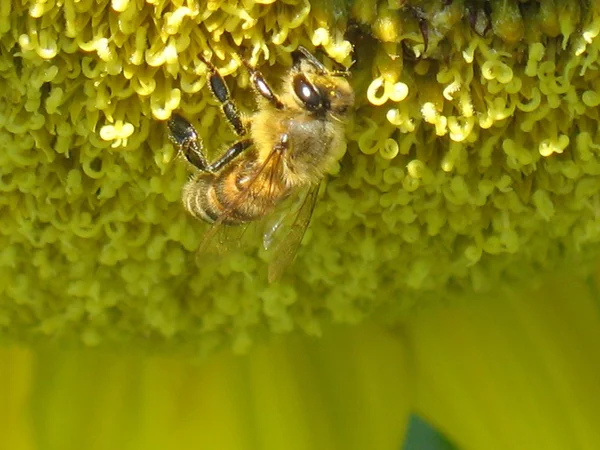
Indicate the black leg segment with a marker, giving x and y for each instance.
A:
(219, 89)
(186, 139)
(261, 86)
(231, 153)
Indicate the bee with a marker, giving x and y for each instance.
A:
(283, 151)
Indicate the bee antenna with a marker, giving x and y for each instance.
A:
(302, 54)
(345, 73)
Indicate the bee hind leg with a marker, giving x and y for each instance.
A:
(186, 139)
(220, 91)
(231, 153)
(184, 136)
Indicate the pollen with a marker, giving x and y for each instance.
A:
(472, 154)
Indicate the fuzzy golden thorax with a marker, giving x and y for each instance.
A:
(311, 126)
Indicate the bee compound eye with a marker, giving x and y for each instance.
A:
(307, 93)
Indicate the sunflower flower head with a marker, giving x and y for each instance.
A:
(471, 160)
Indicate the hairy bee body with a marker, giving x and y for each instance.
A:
(314, 143)
(212, 197)
(287, 146)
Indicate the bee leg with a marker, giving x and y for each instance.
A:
(283, 144)
(186, 139)
(420, 15)
(261, 86)
(219, 89)
(424, 27)
(233, 151)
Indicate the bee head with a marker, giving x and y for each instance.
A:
(318, 90)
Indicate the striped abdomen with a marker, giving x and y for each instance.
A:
(237, 194)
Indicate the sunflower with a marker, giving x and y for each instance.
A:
(450, 269)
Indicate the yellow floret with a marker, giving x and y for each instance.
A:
(472, 159)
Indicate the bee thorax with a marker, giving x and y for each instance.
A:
(314, 148)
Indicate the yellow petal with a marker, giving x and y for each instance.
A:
(347, 391)
(512, 370)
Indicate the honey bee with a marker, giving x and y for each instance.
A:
(284, 150)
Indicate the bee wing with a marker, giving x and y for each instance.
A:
(285, 249)
(282, 218)
(222, 238)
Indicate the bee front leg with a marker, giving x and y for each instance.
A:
(186, 139)
(284, 143)
(261, 86)
(420, 15)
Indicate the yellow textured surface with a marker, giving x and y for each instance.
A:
(493, 374)
(347, 391)
(471, 162)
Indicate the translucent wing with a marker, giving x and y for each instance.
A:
(287, 246)
(281, 220)
(222, 237)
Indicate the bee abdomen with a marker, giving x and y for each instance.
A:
(225, 197)
(197, 198)
(240, 195)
